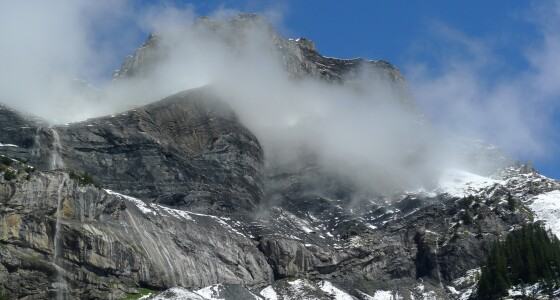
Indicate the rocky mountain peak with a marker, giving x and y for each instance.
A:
(177, 198)
(299, 57)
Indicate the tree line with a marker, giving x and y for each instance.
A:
(528, 255)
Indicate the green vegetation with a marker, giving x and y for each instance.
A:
(12, 168)
(84, 179)
(6, 161)
(512, 204)
(527, 256)
(467, 218)
(10, 175)
(466, 202)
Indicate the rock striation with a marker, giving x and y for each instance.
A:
(188, 150)
(110, 244)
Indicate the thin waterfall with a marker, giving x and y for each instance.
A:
(56, 159)
(37, 146)
(57, 163)
(437, 261)
(61, 286)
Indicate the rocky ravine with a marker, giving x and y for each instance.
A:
(184, 200)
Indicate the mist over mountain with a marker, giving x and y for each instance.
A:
(357, 116)
(222, 160)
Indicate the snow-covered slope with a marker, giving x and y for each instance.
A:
(546, 207)
(461, 183)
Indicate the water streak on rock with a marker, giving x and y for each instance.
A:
(56, 159)
(61, 285)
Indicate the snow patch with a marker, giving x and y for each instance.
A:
(145, 208)
(269, 293)
(364, 295)
(154, 209)
(334, 292)
(461, 183)
(175, 212)
(534, 291)
(372, 227)
(453, 290)
(177, 293)
(469, 279)
(466, 295)
(8, 145)
(210, 292)
(383, 295)
(298, 288)
(547, 208)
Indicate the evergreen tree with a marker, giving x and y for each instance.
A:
(527, 256)
(467, 218)
(511, 202)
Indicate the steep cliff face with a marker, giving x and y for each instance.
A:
(184, 197)
(59, 236)
(108, 244)
(188, 150)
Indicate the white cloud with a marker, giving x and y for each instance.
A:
(471, 92)
(365, 135)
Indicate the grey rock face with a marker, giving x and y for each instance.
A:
(527, 168)
(142, 61)
(188, 150)
(288, 258)
(111, 242)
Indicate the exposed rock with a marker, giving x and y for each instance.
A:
(299, 57)
(142, 61)
(209, 218)
(188, 150)
(288, 258)
(527, 168)
(110, 242)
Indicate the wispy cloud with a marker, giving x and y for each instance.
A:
(471, 90)
(364, 135)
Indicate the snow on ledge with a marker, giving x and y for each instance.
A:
(210, 292)
(334, 292)
(269, 293)
(176, 293)
(546, 207)
(383, 295)
(155, 209)
(462, 183)
(457, 183)
(139, 203)
(8, 145)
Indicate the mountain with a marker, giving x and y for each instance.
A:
(180, 198)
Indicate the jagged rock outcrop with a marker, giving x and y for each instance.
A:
(288, 258)
(299, 57)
